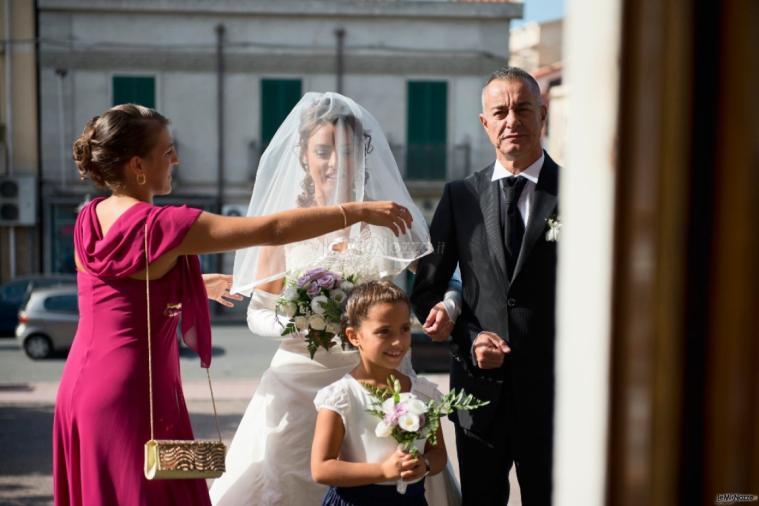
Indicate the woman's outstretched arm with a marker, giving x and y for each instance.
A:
(212, 233)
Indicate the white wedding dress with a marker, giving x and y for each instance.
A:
(269, 459)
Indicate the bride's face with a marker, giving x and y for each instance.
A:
(329, 159)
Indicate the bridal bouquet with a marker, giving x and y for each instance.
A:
(314, 304)
(408, 420)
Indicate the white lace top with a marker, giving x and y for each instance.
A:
(349, 399)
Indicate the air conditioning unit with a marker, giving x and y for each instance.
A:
(234, 210)
(18, 200)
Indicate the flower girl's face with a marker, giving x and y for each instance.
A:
(384, 336)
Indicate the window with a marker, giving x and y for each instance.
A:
(278, 97)
(135, 90)
(427, 130)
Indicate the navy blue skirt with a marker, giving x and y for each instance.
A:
(375, 495)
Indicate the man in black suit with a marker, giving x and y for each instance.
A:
(500, 226)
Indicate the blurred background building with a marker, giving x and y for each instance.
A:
(228, 72)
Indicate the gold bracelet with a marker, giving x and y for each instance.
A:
(345, 216)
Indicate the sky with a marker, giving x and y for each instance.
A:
(541, 10)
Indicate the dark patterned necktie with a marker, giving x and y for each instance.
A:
(513, 225)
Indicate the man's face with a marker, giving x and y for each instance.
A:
(513, 119)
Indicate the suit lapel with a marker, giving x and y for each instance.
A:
(490, 205)
(545, 198)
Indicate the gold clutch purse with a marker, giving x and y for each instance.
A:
(179, 458)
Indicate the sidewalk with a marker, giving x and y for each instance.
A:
(35, 401)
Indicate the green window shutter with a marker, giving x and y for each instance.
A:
(278, 97)
(135, 90)
(427, 130)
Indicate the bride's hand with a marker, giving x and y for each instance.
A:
(384, 214)
(217, 288)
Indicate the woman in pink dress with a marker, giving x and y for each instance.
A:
(101, 415)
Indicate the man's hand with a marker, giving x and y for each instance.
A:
(438, 325)
(489, 350)
(217, 288)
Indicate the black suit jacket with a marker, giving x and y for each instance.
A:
(466, 229)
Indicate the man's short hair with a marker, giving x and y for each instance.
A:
(512, 74)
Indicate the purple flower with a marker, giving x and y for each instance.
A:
(326, 280)
(392, 417)
(311, 275)
(313, 289)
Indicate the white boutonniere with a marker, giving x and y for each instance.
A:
(554, 225)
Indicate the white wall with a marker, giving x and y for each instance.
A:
(188, 96)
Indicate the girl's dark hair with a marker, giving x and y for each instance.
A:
(320, 113)
(366, 295)
(110, 140)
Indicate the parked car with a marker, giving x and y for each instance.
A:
(428, 355)
(15, 292)
(48, 320)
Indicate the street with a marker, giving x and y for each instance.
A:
(27, 396)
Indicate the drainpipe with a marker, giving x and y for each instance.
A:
(61, 73)
(220, 30)
(339, 65)
(9, 127)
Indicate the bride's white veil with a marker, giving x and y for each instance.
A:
(329, 150)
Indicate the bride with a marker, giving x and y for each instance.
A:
(329, 150)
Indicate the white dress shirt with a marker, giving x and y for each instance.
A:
(531, 174)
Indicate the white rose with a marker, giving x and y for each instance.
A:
(346, 286)
(290, 293)
(337, 295)
(317, 322)
(290, 309)
(409, 422)
(317, 304)
(415, 406)
(301, 322)
(382, 429)
(333, 328)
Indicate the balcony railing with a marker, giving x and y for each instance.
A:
(430, 162)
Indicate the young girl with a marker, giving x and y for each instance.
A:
(361, 468)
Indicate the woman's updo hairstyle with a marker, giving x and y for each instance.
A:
(110, 140)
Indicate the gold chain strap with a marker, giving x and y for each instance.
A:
(150, 350)
(150, 338)
(213, 402)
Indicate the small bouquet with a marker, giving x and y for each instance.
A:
(408, 420)
(314, 304)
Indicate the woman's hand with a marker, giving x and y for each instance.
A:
(217, 288)
(384, 214)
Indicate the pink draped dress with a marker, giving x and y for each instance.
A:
(101, 413)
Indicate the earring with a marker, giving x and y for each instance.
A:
(141, 179)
